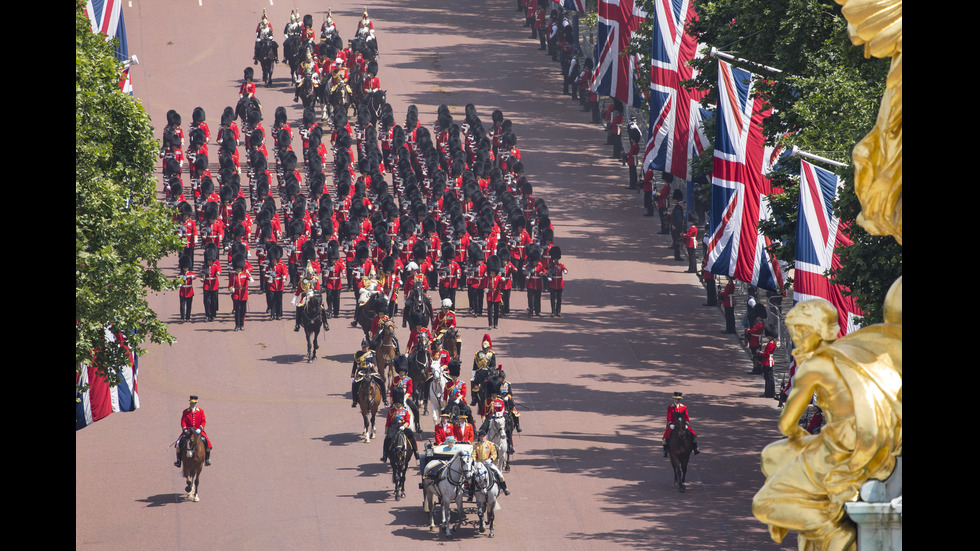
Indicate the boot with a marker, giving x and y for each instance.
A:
(503, 486)
(696, 450)
(207, 457)
(665, 448)
(177, 463)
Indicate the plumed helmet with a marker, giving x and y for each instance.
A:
(412, 267)
(486, 343)
(447, 303)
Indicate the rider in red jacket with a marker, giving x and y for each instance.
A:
(678, 410)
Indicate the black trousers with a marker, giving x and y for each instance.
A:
(555, 301)
(240, 308)
(648, 202)
(709, 287)
(634, 183)
(767, 374)
(493, 313)
(534, 301)
(185, 307)
(505, 298)
(730, 319)
(333, 302)
(210, 304)
(476, 300)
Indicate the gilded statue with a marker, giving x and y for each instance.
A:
(857, 383)
(878, 157)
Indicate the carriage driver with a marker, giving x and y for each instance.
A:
(365, 360)
(193, 418)
(484, 451)
(399, 418)
(678, 409)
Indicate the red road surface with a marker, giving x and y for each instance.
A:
(593, 386)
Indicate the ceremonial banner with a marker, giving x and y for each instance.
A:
(100, 399)
(818, 232)
(107, 18)
(739, 186)
(613, 75)
(675, 135)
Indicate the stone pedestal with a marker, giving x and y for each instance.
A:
(879, 513)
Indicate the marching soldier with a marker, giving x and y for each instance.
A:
(211, 272)
(556, 281)
(238, 285)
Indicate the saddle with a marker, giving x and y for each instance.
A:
(364, 373)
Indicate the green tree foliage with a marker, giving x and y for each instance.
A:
(121, 230)
(824, 101)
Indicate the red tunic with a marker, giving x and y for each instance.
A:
(677, 410)
(195, 419)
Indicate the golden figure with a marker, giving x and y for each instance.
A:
(857, 381)
(878, 157)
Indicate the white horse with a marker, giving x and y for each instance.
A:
(497, 433)
(436, 387)
(445, 481)
(486, 490)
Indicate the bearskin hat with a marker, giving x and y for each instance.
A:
(238, 262)
(493, 264)
(184, 262)
(419, 250)
(274, 252)
(173, 118)
(333, 250)
(555, 252)
(210, 252)
(454, 368)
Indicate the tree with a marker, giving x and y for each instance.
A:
(824, 101)
(121, 230)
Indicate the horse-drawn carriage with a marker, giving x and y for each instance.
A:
(445, 471)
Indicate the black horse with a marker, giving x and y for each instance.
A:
(399, 453)
(418, 307)
(291, 54)
(680, 444)
(339, 100)
(311, 318)
(268, 52)
(375, 103)
(306, 91)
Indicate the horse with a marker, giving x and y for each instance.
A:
(311, 320)
(339, 100)
(268, 50)
(192, 462)
(680, 444)
(485, 489)
(445, 481)
(375, 105)
(369, 398)
(244, 105)
(306, 91)
(498, 434)
(384, 350)
(365, 316)
(399, 455)
(418, 307)
(435, 389)
(452, 343)
(418, 363)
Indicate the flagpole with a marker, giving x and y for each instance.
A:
(715, 52)
(796, 151)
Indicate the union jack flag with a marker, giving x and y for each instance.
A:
(675, 133)
(575, 5)
(613, 75)
(107, 18)
(818, 232)
(100, 399)
(739, 186)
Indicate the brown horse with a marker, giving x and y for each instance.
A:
(680, 444)
(192, 449)
(385, 351)
(452, 343)
(369, 398)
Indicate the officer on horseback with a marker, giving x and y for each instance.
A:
(262, 32)
(365, 365)
(484, 451)
(193, 418)
(399, 419)
(676, 411)
(484, 364)
(454, 395)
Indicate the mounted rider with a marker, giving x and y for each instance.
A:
(454, 395)
(484, 365)
(262, 32)
(193, 418)
(404, 383)
(399, 418)
(294, 27)
(365, 366)
(484, 451)
(675, 411)
(329, 29)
